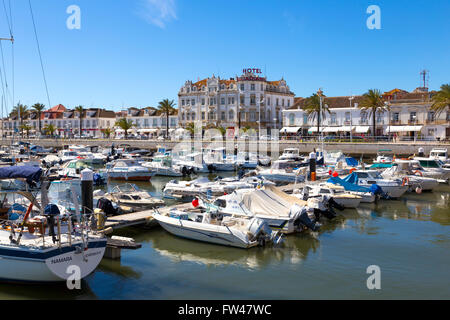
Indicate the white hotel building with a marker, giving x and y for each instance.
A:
(218, 103)
(410, 117)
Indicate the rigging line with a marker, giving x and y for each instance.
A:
(7, 17)
(40, 56)
(4, 82)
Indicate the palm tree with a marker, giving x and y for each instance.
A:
(373, 102)
(314, 111)
(167, 107)
(191, 128)
(26, 127)
(21, 111)
(50, 129)
(125, 125)
(80, 111)
(39, 107)
(441, 100)
(222, 131)
(107, 132)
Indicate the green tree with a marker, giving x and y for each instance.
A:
(191, 128)
(441, 100)
(80, 110)
(107, 132)
(20, 111)
(26, 127)
(39, 107)
(314, 111)
(167, 107)
(49, 129)
(125, 125)
(373, 102)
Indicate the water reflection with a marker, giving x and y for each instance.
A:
(57, 291)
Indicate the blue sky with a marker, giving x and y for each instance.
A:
(138, 52)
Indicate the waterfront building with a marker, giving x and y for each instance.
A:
(410, 117)
(148, 121)
(246, 101)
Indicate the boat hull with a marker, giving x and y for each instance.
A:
(203, 232)
(53, 265)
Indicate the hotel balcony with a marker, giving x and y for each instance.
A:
(413, 121)
(395, 122)
(366, 122)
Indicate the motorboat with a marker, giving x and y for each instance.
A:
(291, 154)
(162, 165)
(341, 197)
(247, 160)
(392, 187)
(384, 157)
(213, 227)
(45, 243)
(432, 168)
(440, 154)
(204, 187)
(217, 159)
(330, 158)
(67, 155)
(281, 211)
(411, 174)
(366, 197)
(192, 163)
(128, 170)
(131, 196)
(284, 171)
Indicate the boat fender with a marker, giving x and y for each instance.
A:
(418, 190)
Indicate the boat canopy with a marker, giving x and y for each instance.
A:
(349, 183)
(351, 162)
(30, 173)
(381, 165)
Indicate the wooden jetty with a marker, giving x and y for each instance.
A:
(142, 218)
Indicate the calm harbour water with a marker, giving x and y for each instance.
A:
(409, 239)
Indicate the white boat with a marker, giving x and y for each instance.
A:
(432, 168)
(43, 245)
(283, 171)
(67, 155)
(392, 186)
(291, 154)
(128, 170)
(131, 196)
(162, 165)
(341, 197)
(281, 211)
(217, 159)
(366, 197)
(214, 228)
(204, 187)
(192, 163)
(330, 158)
(247, 160)
(383, 157)
(440, 154)
(403, 169)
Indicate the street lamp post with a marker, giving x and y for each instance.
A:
(319, 93)
(351, 118)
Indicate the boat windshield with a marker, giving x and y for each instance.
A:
(429, 163)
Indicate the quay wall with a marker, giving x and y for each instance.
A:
(359, 148)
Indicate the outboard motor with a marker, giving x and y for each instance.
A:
(50, 212)
(107, 207)
(376, 190)
(303, 218)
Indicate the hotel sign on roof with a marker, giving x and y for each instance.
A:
(249, 75)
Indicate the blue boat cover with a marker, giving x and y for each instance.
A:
(32, 174)
(351, 178)
(381, 166)
(351, 162)
(349, 186)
